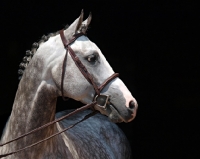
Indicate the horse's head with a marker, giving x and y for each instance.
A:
(122, 106)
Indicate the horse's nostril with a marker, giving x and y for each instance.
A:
(131, 105)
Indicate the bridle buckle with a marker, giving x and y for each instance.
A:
(102, 100)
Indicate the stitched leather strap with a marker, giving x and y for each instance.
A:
(80, 66)
(108, 80)
(36, 143)
(50, 123)
(78, 63)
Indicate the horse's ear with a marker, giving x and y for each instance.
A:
(80, 20)
(86, 23)
(75, 26)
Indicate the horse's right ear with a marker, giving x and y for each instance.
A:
(74, 27)
(86, 23)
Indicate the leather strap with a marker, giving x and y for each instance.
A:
(83, 70)
(115, 75)
(80, 66)
(50, 123)
(78, 63)
(62, 76)
(59, 132)
(64, 40)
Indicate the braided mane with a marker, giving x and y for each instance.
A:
(30, 53)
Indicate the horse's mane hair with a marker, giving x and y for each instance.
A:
(30, 53)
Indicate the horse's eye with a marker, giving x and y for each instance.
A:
(92, 58)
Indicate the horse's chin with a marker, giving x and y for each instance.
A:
(114, 115)
(111, 112)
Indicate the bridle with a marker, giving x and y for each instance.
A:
(99, 99)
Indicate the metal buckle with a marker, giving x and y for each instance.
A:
(102, 100)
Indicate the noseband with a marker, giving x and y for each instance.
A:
(99, 98)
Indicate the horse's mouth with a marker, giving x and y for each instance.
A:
(110, 111)
(114, 115)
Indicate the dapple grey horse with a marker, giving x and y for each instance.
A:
(35, 103)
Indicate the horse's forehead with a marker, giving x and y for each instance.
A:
(84, 45)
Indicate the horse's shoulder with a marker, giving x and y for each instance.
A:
(96, 136)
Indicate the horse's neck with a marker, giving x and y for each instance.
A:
(34, 106)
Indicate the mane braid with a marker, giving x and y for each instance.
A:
(30, 53)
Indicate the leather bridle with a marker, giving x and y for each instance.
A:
(99, 99)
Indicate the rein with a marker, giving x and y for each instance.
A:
(86, 117)
(50, 123)
(99, 99)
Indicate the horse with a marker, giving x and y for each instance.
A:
(42, 81)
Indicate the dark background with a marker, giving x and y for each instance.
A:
(153, 45)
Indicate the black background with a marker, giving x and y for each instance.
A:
(154, 47)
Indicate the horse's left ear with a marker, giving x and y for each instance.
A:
(79, 21)
(86, 23)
